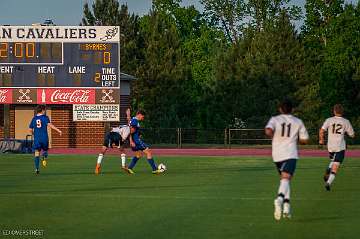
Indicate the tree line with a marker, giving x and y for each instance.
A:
(230, 65)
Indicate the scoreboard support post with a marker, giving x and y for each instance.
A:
(6, 121)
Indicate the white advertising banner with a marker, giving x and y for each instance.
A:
(83, 34)
(100, 113)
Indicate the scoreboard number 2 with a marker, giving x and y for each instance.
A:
(97, 77)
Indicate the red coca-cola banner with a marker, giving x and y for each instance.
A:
(66, 96)
(73, 96)
(5, 96)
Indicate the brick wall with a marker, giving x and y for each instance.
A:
(12, 121)
(75, 134)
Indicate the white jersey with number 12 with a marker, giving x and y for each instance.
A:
(337, 127)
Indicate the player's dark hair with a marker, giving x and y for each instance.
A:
(140, 112)
(286, 106)
(40, 108)
(339, 109)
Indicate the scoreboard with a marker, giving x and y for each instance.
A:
(78, 65)
(59, 56)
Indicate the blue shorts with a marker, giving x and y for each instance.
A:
(337, 156)
(140, 146)
(287, 166)
(41, 145)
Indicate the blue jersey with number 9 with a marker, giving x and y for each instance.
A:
(39, 125)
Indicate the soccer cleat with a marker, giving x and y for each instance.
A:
(157, 172)
(98, 169)
(286, 210)
(44, 163)
(327, 187)
(37, 171)
(128, 170)
(277, 209)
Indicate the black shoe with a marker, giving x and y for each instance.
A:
(37, 171)
(327, 187)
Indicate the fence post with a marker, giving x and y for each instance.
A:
(225, 137)
(179, 144)
(229, 145)
(180, 137)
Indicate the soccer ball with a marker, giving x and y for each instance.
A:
(162, 167)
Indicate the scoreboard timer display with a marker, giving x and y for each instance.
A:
(59, 57)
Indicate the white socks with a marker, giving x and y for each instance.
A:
(100, 157)
(123, 160)
(331, 164)
(331, 178)
(287, 194)
(284, 189)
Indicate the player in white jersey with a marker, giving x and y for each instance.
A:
(336, 127)
(285, 130)
(117, 137)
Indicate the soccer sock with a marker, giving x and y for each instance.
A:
(283, 189)
(45, 154)
(123, 160)
(100, 157)
(287, 196)
(328, 170)
(37, 162)
(152, 164)
(331, 178)
(133, 162)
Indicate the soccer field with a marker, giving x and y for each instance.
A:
(198, 197)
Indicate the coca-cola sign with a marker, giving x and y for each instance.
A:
(5, 96)
(66, 96)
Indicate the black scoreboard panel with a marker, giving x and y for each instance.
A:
(59, 64)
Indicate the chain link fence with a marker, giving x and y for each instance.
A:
(215, 138)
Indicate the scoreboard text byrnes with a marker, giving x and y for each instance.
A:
(59, 56)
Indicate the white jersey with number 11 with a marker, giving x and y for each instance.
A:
(287, 130)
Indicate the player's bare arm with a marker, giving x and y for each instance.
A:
(128, 115)
(269, 132)
(321, 136)
(55, 128)
(303, 141)
(132, 131)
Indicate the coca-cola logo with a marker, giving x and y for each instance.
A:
(3, 96)
(76, 96)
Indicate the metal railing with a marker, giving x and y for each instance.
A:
(214, 138)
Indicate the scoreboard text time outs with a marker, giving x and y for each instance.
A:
(59, 56)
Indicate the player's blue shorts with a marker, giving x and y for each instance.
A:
(140, 146)
(337, 156)
(41, 145)
(287, 166)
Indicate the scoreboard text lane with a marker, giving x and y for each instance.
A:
(59, 57)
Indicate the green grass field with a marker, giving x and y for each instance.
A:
(198, 197)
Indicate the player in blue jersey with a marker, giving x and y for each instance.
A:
(38, 127)
(138, 145)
